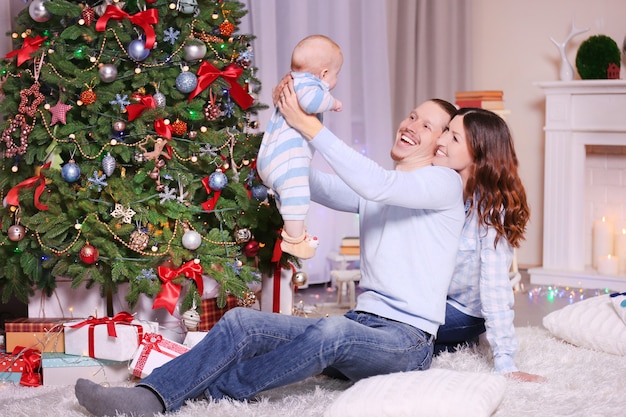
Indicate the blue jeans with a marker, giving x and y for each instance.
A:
(459, 329)
(249, 351)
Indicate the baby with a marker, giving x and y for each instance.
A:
(284, 156)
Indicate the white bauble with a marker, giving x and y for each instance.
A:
(191, 240)
(191, 319)
(38, 11)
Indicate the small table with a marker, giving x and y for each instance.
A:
(344, 272)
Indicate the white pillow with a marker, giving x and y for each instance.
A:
(592, 323)
(432, 393)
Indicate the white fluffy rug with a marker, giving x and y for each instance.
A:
(581, 383)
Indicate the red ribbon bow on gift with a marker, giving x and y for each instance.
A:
(142, 19)
(13, 198)
(29, 46)
(170, 291)
(276, 255)
(119, 318)
(32, 362)
(207, 73)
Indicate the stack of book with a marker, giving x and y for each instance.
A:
(350, 246)
(484, 99)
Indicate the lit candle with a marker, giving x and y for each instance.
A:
(620, 250)
(602, 240)
(608, 265)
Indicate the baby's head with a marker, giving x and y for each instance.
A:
(319, 55)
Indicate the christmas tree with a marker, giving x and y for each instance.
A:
(129, 150)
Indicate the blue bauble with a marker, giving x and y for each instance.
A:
(186, 82)
(259, 192)
(218, 181)
(70, 172)
(137, 50)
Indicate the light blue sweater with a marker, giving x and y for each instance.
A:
(410, 223)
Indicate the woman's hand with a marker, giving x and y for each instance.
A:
(526, 377)
(276, 92)
(307, 124)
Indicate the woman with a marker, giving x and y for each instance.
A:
(479, 146)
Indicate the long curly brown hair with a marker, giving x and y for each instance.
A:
(494, 180)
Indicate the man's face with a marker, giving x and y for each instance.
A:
(417, 136)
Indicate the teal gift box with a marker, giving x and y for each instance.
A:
(10, 377)
(62, 369)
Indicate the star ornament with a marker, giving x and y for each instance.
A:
(59, 113)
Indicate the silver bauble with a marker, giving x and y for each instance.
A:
(299, 279)
(38, 11)
(159, 99)
(191, 240)
(191, 319)
(108, 165)
(243, 235)
(187, 6)
(186, 82)
(137, 50)
(108, 73)
(70, 171)
(194, 51)
(16, 233)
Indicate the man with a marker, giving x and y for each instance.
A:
(410, 222)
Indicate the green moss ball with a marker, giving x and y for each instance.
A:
(594, 56)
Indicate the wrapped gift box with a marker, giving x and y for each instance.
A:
(193, 338)
(62, 369)
(154, 351)
(113, 338)
(67, 302)
(43, 334)
(211, 313)
(10, 377)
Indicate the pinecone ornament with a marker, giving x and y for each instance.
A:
(88, 15)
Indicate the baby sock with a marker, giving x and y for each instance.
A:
(302, 247)
(102, 401)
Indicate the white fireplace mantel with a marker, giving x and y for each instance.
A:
(578, 113)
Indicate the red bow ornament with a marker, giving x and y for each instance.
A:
(29, 46)
(209, 205)
(207, 73)
(165, 131)
(170, 291)
(144, 19)
(135, 110)
(39, 181)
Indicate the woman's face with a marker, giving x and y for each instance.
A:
(453, 150)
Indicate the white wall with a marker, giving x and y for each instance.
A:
(512, 50)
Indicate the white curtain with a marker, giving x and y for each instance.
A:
(397, 53)
(359, 27)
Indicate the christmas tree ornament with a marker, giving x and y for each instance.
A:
(194, 51)
(259, 192)
(38, 12)
(108, 165)
(70, 171)
(137, 50)
(243, 235)
(26, 94)
(17, 124)
(218, 180)
(212, 111)
(88, 15)
(107, 73)
(16, 233)
(191, 318)
(59, 113)
(251, 249)
(179, 127)
(299, 278)
(139, 240)
(192, 134)
(226, 28)
(191, 240)
(187, 6)
(119, 126)
(186, 82)
(89, 254)
(88, 97)
(159, 99)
